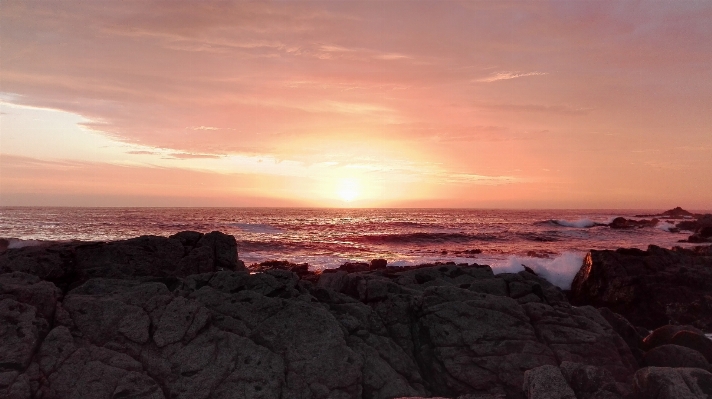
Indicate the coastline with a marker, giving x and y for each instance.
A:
(182, 316)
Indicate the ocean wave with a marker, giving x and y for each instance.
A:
(581, 223)
(538, 237)
(666, 226)
(559, 271)
(256, 228)
(405, 238)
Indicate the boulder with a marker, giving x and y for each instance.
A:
(591, 382)
(675, 356)
(650, 288)
(663, 335)
(672, 383)
(694, 340)
(546, 382)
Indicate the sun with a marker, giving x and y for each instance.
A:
(348, 189)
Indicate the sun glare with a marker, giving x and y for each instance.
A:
(348, 190)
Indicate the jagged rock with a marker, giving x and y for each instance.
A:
(70, 264)
(441, 329)
(30, 290)
(21, 331)
(649, 288)
(675, 356)
(546, 382)
(672, 383)
(582, 335)
(469, 342)
(90, 371)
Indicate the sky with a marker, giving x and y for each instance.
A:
(356, 104)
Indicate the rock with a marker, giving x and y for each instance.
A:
(590, 382)
(627, 331)
(29, 289)
(677, 212)
(352, 267)
(21, 331)
(377, 264)
(663, 335)
(694, 340)
(623, 223)
(583, 336)
(702, 222)
(70, 264)
(546, 382)
(672, 383)
(650, 288)
(675, 356)
(364, 331)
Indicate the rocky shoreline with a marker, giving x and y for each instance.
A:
(182, 317)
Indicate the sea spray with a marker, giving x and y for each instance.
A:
(559, 271)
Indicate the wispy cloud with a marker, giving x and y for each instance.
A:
(186, 155)
(506, 75)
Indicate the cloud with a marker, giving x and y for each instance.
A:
(535, 108)
(141, 152)
(185, 155)
(508, 75)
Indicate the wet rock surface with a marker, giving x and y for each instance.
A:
(199, 326)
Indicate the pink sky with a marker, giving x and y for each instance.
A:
(447, 104)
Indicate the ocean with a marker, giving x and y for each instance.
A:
(551, 242)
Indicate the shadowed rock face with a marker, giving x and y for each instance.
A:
(387, 332)
(649, 288)
(180, 255)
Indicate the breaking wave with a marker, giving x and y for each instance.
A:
(559, 271)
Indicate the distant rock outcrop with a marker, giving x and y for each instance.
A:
(623, 223)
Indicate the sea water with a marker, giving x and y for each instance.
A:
(551, 242)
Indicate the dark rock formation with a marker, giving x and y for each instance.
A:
(677, 212)
(443, 329)
(675, 356)
(649, 288)
(672, 383)
(547, 382)
(627, 331)
(180, 255)
(623, 223)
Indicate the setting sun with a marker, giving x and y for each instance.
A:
(348, 190)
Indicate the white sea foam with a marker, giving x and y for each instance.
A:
(581, 223)
(665, 226)
(18, 243)
(559, 271)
